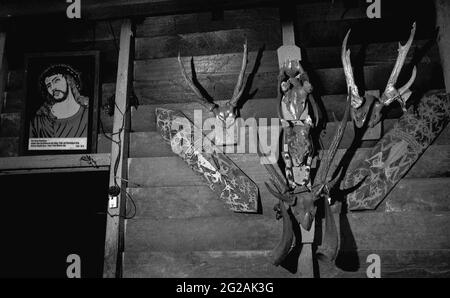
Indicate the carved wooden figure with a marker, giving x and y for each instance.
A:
(298, 205)
(295, 101)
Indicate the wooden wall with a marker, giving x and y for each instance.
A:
(182, 230)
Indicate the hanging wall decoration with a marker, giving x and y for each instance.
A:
(223, 177)
(61, 102)
(298, 195)
(227, 128)
(392, 157)
(369, 108)
(389, 161)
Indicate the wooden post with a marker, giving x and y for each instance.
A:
(114, 239)
(290, 51)
(3, 69)
(443, 23)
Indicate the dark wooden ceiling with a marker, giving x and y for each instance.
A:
(104, 9)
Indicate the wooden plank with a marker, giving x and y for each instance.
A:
(94, 10)
(443, 23)
(9, 146)
(220, 87)
(263, 85)
(344, 10)
(373, 54)
(367, 230)
(88, 31)
(151, 144)
(183, 202)
(206, 264)
(332, 33)
(430, 194)
(10, 124)
(332, 81)
(317, 58)
(22, 163)
(3, 69)
(256, 18)
(207, 43)
(178, 202)
(219, 63)
(394, 263)
(119, 153)
(256, 264)
(143, 118)
(435, 162)
(333, 11)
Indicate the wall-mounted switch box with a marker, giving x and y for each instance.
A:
(112, 203)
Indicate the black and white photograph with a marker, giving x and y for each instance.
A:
(225, 147)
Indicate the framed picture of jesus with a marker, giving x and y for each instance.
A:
(61, 103)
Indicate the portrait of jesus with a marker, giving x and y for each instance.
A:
(64, 113)
(61, 102)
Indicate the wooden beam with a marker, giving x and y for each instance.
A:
(93, 9)
(370, 230)
(50, 163)
(3, 69)
(178, 202)
(287, 52)
(254, 264)
(256, 18)
(118, 171)
(433, 163)
(443, 23)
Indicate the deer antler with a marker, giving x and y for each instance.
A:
(238, 90)
(202, 100)
(356, 100)
(322, 172)
(391, 93)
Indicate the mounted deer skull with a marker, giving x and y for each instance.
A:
(361, 106)
(226, 113)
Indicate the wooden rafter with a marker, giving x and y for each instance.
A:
(93, 9)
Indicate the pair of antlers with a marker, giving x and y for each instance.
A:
(238, 89)
(390, 93)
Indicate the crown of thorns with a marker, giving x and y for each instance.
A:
(63, 69)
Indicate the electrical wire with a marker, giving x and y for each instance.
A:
(119, 153)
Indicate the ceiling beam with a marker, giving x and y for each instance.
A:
(111, 9)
